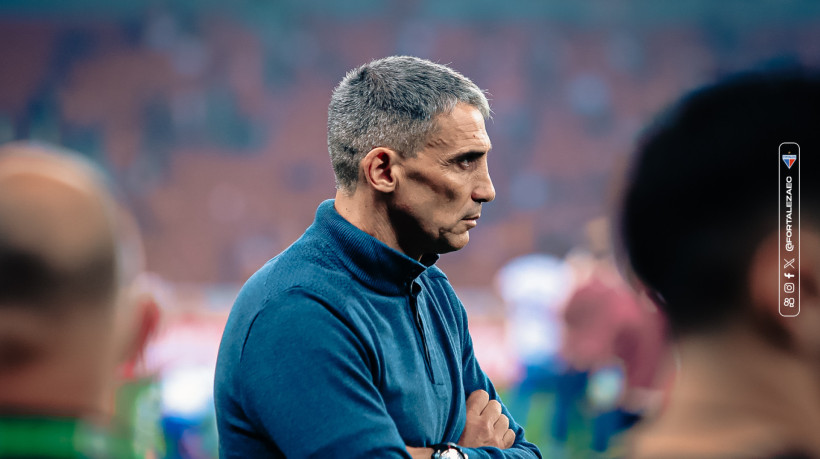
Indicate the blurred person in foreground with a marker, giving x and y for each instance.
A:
(352, 343)
(70, 314)
(699, 225)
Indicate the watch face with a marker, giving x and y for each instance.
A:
(448, 451)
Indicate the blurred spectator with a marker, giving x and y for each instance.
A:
(699, 229)
(534, 288)
(70, 313)
(611, 336)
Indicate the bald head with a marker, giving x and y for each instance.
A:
(70, 311)
(58, 230)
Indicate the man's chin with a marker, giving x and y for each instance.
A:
(453, 243)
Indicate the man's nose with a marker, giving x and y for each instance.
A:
(484, 190)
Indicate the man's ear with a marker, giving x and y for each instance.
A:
(380, 166)
(148, 321)
(767, 295)
(145, 314)
(764, 280)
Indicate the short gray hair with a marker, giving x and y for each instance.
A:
(392, 102)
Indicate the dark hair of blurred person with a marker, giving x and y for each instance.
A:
(69, 311)
(699, 225)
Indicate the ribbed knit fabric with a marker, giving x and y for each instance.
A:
(343, 347)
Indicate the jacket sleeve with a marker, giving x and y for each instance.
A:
(307, 384)
(475, 379)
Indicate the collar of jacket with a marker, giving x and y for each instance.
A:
(369, 260)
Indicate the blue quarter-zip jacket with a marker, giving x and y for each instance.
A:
(343, 347)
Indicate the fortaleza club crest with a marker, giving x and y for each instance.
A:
(789, 160)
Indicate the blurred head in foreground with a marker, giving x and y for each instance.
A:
(69, 311)
(699, 226)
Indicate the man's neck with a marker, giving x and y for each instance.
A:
(736, 363)
(735, 382)
(54, 392)
(65, 369)
(370, 215)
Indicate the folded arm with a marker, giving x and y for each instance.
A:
(306, 385)
(502, 438)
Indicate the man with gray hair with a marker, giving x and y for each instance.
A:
(351, 343)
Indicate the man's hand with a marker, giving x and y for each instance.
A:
(420, 453)
(485, 426)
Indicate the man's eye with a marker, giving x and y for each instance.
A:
(467, 162)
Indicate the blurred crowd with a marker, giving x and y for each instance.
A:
(583, 337)
(214, 123)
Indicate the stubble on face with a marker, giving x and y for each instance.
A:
(432, 203)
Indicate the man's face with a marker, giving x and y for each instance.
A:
(439, 199)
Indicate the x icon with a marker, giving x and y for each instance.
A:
(788, 263)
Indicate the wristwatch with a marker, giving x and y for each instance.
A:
(448, 451)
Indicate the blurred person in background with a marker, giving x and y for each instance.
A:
(700, 227)
(535, 288)
(70, 313)
(352, 343)
(613, 340)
